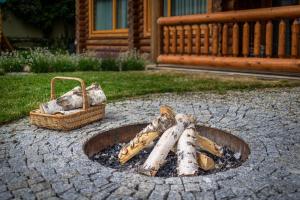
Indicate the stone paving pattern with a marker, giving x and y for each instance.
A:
(43, 164)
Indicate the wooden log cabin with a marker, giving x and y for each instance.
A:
(251, 35)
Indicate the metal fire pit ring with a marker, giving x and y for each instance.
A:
(125, 133)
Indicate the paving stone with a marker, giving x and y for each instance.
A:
(45, 194)
(204, 195)
(174, 195)
(24, 193)
(100, 195)
(40, 187)
(5, 195)
(187, 196)
(191, 187)
(43, 163)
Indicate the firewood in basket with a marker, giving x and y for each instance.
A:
(206, 163)
(73, 100)
(164, 145)
(186, 152)
(144, 138)
(209, 146)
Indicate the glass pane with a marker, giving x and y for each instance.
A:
(165, 8)
(103, 14)
(188, 7)
(121, 14)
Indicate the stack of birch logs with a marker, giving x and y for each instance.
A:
(177, 133)
(72, 101)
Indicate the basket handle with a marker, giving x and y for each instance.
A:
(83, 88)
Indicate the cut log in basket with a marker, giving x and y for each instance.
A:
(177, 133)
(76, 108)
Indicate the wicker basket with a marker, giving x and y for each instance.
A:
(71, 121)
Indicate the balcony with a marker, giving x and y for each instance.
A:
(257, 40)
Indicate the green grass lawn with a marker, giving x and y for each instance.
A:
(21, 93)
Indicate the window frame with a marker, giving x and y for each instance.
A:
(147, 17)
(169, 10)
(114, 32)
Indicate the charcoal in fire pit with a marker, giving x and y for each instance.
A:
(109, 158)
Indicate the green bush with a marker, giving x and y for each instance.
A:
(42, 61)
(12, 62)
(133, 64)
(89, 64)
(64, 63)
(131, 60)
(110, 64)
(41, 64)
(2, 72)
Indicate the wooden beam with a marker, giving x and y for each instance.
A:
(156, 31)
(266, 64)
(234, 16)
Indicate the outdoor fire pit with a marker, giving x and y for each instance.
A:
(105, 146)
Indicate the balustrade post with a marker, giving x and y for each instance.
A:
(269, 39)
(167, 39)
(181, 39)
(225, 40)
(174, 40)
(235, 40)
(189, 39)
(206, 39)
(281, 39)
(257, 38)
(198, 39)
(215, 39)
(246, 33)
(295, 39)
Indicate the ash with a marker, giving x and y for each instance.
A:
(109, 158)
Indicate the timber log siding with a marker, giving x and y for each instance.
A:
(110, 43)
(227, 37)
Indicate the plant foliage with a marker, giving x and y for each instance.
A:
(43, 13)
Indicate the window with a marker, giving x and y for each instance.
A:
(107, 16)
(185, 7)
(147, 17)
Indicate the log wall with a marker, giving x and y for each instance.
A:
(81, 25)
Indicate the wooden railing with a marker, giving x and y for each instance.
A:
(257, 39)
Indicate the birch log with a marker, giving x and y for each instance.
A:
(148, 134)
(73, 100)
(186, 152)
(209, 146)
(164, 145)
(206, 163)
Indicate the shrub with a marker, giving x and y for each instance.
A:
(2, 72)
(64, 63)
(133, 64)
(89, 64)
(110, 64)
(40, 61)
(132, 60)
(12, 61)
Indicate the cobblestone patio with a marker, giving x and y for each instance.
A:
(44, 164)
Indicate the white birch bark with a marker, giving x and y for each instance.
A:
(186, 152)
(145, 137)
(164, 145)
(73, 100)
